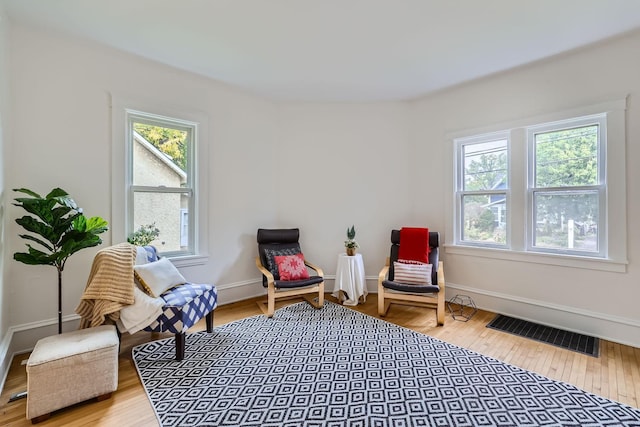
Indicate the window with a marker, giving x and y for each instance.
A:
(161, 184)
(567, 186)
(482, 189)
(549, 190)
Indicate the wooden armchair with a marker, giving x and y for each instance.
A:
(392, 288)
(274, 243)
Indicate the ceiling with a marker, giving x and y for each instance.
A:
(337, 50)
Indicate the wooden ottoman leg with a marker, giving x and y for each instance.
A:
(40, 418)
(180, 346)
(103, 397)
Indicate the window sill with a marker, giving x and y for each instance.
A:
(189, 260)
(601, 264)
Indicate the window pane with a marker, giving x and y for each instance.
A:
(168, 212)
(485, 218)
(159, 156)
(567, 157)
(567, 220)
(485, 165)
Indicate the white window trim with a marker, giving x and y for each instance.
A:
(121, 174)
(184, 218)
(616, 257)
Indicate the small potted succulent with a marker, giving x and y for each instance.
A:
(350, 244)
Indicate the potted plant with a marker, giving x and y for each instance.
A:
(144, 235)
(59, 227)
(350, 243)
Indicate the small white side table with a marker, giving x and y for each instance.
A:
(350, 283)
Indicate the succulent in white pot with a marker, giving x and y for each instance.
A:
(350, 244)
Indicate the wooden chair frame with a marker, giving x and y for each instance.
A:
(274, 293)
(386, 297)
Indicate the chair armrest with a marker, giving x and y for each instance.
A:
(441, 275)
(264, 271)
(384, 272)
(314, 267)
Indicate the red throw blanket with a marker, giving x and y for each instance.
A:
(414, 244)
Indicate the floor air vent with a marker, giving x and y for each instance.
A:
(565, 339)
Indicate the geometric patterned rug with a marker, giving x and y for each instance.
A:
(339, 367)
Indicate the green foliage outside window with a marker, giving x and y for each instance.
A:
(170, 141)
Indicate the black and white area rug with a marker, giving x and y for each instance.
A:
(337, 367)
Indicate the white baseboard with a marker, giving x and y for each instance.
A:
(601, 325)
(4, 356)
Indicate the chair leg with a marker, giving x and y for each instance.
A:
(440, 308)
(271, 302)
(382, 309)
(180, 346)
(321, 295)
(209, 321)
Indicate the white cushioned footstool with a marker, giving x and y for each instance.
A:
(71, 367)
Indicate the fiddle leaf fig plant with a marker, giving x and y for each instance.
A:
(60, 229)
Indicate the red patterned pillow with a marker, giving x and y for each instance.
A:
(291, 267)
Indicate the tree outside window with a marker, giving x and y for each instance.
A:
(566, 193)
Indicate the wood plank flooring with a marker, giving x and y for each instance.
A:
(614, 375)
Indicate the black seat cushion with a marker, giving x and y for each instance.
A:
(403, 287)
(283, 284)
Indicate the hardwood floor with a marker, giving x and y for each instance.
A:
(614, 375)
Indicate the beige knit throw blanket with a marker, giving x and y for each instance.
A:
(110, 285)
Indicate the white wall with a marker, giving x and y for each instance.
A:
(343, 165)
(586, 300)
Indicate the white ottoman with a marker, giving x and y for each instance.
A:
(71, 367)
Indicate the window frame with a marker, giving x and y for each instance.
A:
(600, 187)
(135, 116)
(615, 204)
(461, 192)
(121, 172)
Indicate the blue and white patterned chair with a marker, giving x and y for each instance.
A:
(184, 306)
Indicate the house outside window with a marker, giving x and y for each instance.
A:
(161, 188)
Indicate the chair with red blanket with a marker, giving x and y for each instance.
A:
(413, 274)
